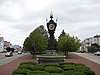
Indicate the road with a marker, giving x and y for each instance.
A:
(5, 60)
(89, 56)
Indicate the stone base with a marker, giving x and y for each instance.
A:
(51, 51)
(50, 59)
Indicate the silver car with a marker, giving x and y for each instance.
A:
(97, 53)
(8, 54)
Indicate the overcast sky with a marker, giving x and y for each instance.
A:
(18, 18)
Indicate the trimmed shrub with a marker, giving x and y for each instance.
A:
(21, 71)
(38, 73)
(38, 67)
(73, 72)
(61, 68)
(65, 63)
(84, 69)
(31, 67)
(52, 64)
(88, 72)
(68, 67)
(54, 69)
(56, 74)
(26, 66)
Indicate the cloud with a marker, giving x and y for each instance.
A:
(20, 17)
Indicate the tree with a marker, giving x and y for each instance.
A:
(10, 49)
(62, 34)
(37, 41)
(66, 44)
(28, 45)
(93, 48)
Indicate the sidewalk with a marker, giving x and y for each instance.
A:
(8, 68)
(89, 56)
(11, 66)
(77, 59)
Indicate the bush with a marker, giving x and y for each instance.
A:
(38, 67)
(52, 64)
(65, 63)
(88, 72)
(31, 67)
(38, 73)
(52, 69)
(26, 66)
(68, 67)
(61, 68)
(21, 71)
(73, 72)
(56, 74)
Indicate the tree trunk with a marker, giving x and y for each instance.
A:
(33, 53)
(66, 54)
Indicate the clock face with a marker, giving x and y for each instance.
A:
(51, 26)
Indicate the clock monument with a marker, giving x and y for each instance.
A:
(51, 25)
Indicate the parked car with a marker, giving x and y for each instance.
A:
(97, 53)
(19, 52)
(8, 54)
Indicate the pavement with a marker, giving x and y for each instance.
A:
(5, 60)
(79, 59)
(8, 68)
(89, 56)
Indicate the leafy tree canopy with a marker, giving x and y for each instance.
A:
(37, 40)
(67, 43)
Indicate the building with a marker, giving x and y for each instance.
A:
(6, 44)
(17, 47)
(89, 41)
(1, 44)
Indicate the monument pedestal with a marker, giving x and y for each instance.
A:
(51, 52)
(50, 59)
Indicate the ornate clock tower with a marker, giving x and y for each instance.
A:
(51, 25)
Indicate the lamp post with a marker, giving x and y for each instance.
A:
(51, 25)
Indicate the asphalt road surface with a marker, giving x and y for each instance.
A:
(5, 60)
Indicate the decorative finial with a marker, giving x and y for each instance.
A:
(51, 15)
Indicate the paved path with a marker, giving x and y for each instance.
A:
(11, 66)
(5, 60)
(77, 59)
(89, 56)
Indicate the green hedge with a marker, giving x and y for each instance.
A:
(61, 68)
(56, 74)
(52, 64)
(38, 73)
(53, 69)
(32, 67)
(21, 71)
(73, 72)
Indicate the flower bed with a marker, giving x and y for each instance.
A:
(61, 68)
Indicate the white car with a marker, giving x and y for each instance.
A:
(97, 53)
(8, 54)
(19, 52)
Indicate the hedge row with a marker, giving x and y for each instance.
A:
(62, 68)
